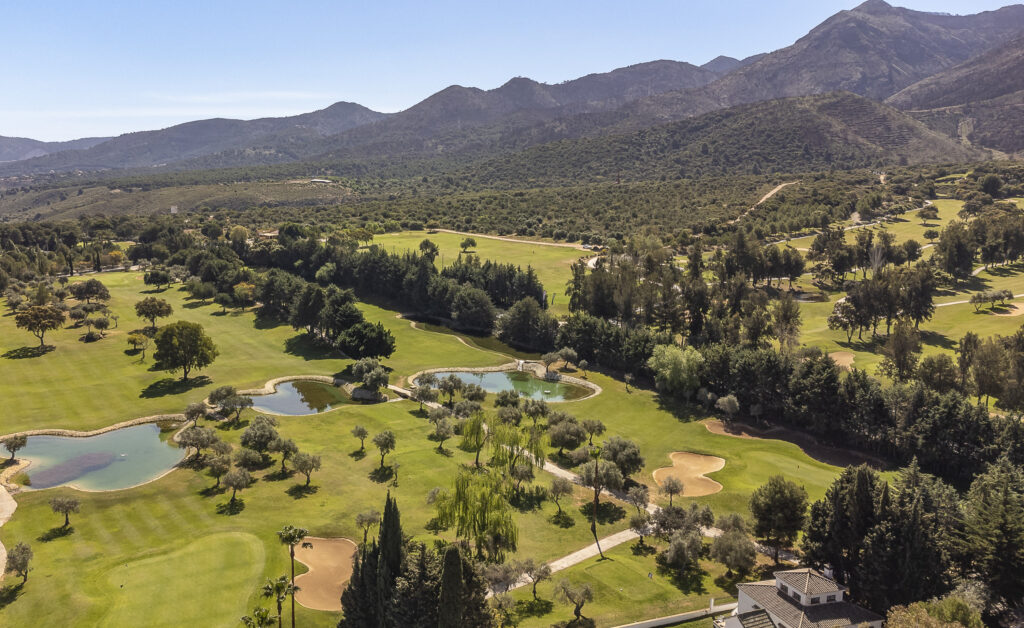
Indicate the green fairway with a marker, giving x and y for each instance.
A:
(84, 386)
(904, 227)
(623, 592)
(551, 262)
(142, 594)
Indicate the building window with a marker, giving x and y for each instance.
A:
(815, 600)
(830, 598)
(783, 588)
(796, 596)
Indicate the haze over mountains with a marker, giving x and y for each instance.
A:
(960, 76)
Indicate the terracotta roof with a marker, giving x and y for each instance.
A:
(756, 619)
(807, 581)
(788, 611)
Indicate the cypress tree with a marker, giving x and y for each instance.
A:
(451, 599)
(389, 565)
(994, 529)
(359, 599)
(414, 602)
(475, 612)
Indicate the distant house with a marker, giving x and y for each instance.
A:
(320, 181)
(797, 598)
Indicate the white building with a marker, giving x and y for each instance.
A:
(797, 598)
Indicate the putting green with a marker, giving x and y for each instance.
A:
(145, 593)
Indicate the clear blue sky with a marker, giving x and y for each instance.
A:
(87, 67)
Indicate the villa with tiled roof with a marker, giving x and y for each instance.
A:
(797, 598)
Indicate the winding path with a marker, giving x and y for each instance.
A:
(7, 508)
(764, 198)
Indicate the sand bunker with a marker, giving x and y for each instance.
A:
(843, 358)
(1012, 310)
(690, 469)
(330, 567)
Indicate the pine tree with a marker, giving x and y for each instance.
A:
(994, 529)
(449, 612)
(359, 599)
(475, 612)
(415, 600)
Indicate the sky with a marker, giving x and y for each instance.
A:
(85, 68)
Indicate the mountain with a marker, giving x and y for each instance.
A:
(873, 50)
(281, 138)
(980, 101)
(18, 148)
(723, 64)
(837, 130)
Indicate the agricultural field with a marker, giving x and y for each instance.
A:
(126, 548)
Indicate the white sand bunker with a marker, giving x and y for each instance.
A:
(690, 468)
(843, 358)
(330, 567)
(1012, 310)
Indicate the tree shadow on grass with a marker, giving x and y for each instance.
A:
(22, 353)
(533, 608)
(381, 474)
(266, 322)
(299, 491)
(690, 580)
(358, 454)
(213, 491)
(934, 339)
(279, 475)
(301, 345)
(728, 581)
(10, 593)
(607, 512)
(582, 622)
(231, 508)
(192, 305)
(642, 549)
(55, 533)
(562, 520)
(173, 386)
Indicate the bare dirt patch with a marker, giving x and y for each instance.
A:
(843, 358)
(689, 468)
(330, 567)
(1012, 309)
(822, 453)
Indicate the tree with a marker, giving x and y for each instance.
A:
(902, 350)
(639, 497)
(560, 487)
(217, 467)
(844, 317)
(306, 464)
(367, 520)
(62, 505)
(535, 571)
(786, 321)
(477, 508)
(19, 559)
(728, 405)
(286, 447)
(931, 234)
(152, 308)
(451, 590)
(640, 523)
(375, 380)
(424, 394)
(474, 436)
(991, 184)
(360, 432)
(467, 243)
(938, 373)
(278, 590)
(39, 319)
(550, 358)
(676, 370)
(735, 550)
(184, 346)
(472, 309)
(599, 475)
(624, 454)
(684, 549)
(292, 536)
(566, 435)
(584, 365)
(385, 443)
(576, 595)
(993, 536)
(450, 385)
(779, 508)
(197, 437)
(987, 368)
(366, 339)
(593, 427)
(13, 443)
(260, 434)
(672, 486)
(89, 290)
(237, 480)
(157, 277)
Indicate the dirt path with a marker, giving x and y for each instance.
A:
(7, 507)
(764, 198)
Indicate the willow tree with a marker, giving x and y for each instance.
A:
(516, 452)
(477, 509)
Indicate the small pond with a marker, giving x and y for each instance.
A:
(526, 384)
(300, 397)
(114, 460)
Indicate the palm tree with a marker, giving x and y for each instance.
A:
(279, 590)
(292, 536)
(260, 618)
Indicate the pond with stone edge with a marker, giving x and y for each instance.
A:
(525, 384)
(301, 397)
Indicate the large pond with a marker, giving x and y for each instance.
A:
(110, 461)
(300, 397)
(526, 384)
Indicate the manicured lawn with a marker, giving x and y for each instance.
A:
(904, 227)
(551, 262)
(80, 385)
(623, 592)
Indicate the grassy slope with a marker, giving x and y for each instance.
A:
(551, 262)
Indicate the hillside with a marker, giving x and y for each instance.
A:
(19, 148)
(839, 130)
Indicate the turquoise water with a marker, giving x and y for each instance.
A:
(300, 397)
(526, 384)
(115, 460)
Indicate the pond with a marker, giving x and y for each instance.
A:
(526, 384)
(114, 460)
(300, 397)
